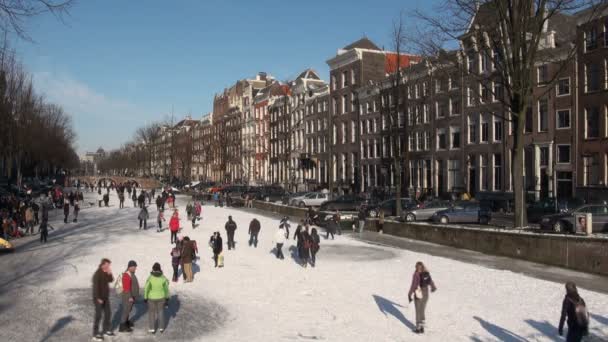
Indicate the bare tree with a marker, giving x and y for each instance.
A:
(147, 136)
(14, 13)
(513, 36)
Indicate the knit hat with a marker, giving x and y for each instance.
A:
(156, 267)
(132, 263)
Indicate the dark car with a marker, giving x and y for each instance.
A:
(273, 193)
(464, 213)
(390, 207)
(565, 222)
(536, 210)
(349, 202)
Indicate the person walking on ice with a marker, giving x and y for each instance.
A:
(160, 217)
(315, 241)
(156, 295)
(130, 293)
(143, 217)
(574, 312)
(279, 239)
(254, 231)
(101, 299)
(174, 226)
(230, 229)
(421, 282)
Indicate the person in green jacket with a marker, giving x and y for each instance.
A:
(156, 295)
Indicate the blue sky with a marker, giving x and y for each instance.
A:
(115, 65)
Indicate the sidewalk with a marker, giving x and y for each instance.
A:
(555, 274)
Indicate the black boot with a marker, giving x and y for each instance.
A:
(130, 324)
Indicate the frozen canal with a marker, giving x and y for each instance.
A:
(357, 292)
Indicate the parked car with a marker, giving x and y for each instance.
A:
(295, 199)
(291, 195)
(536, 210)
(350, 202)
(425, 210)
(390, 206)
(313, 199)
(565, 222)
(464, 213)
(235, 190)
(271, 193)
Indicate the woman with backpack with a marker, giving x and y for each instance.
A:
(421, 282)
(176, 255)
(315, 241)
(574, 311)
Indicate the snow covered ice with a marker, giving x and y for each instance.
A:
(357, 292)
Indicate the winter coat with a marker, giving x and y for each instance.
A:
(315, 243)
(217, 245)
(230, 227)
(279, 236)
(29, 215)
(157, 287)
(176, 255)
(304, 245)
(422, 279)
(187, 252)
(143, 214)
(101, 289)
(174, 224)
(160, 216)
(569, 315)
(159, 201)
(130, 285)
(254, 227)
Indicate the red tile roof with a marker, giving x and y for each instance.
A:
(390, 65)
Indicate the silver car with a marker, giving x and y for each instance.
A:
(425, 212)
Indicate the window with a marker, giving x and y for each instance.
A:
(486, 61)
(454, 174)
(529, 121)
(400, 119)
(563, 118)
(336, 106)
(427, 140)
(344, 104)
(483, 171)
(438, 88)
(563, 87)
(441, 139)
(563, 154)
(606, 35)
(344, 79)
(471, 62)
(425, 114)
(454, 107)
(412, 143)
(485, 93)
(497, 171)
(333, 82)
(592, 120)
(543, 115)
(441, 108)
(455, 136)
(498, 93)
(353, 78)
(591, 39)
(353, 131)
(592, 77)
(544, 156)
(485, 130)
(497, 130)
(592, 173)
(542, 73)
(472, 129)
(469, 97)
(454, 83)
(344, 133)
(420, 138)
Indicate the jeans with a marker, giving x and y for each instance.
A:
(105, 309)
(144, 223)
(280, 251)
(156, 310)
(361, 225)
(43, 235)
(253, 240)
(175, 272)
(420, 305)
(329, 232)
(231, 240)
(215, 257)
(313, 256)
(126, 308)
(173, 237)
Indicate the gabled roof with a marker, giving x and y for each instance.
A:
(309, 74)
(363, 43)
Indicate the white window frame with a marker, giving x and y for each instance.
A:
(557, 154)
(569, 118)
(557, 94)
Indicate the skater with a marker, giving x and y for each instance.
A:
(189, 210)
(121, 199)
(574, 311)
(315, 241)
(159, 203)
(101, 299)
(134, 198)
(421, 281)
(99, 197)
(156, 295)
(130, 292)
(176, 255)
(76, 209)
(141, 199)
(279, 239)
(66, 208)
(29, 221)
(106, 199)
(187, 255)
(338, 225)
(304, 244)
(285, 224)
(44, 231)
(230, 229)
(381, 221)
(362, 215)
(143, 217)
(331, 227)
(254, 230)
(217, 245)
(174, 226)
(160, 217)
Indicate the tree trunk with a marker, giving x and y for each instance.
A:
(519, 192)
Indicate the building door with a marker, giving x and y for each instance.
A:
(472, 181)
(564, 185)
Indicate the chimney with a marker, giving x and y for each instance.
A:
(262, 76)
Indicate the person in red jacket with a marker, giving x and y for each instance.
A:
(130, 292)
(174, 226)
